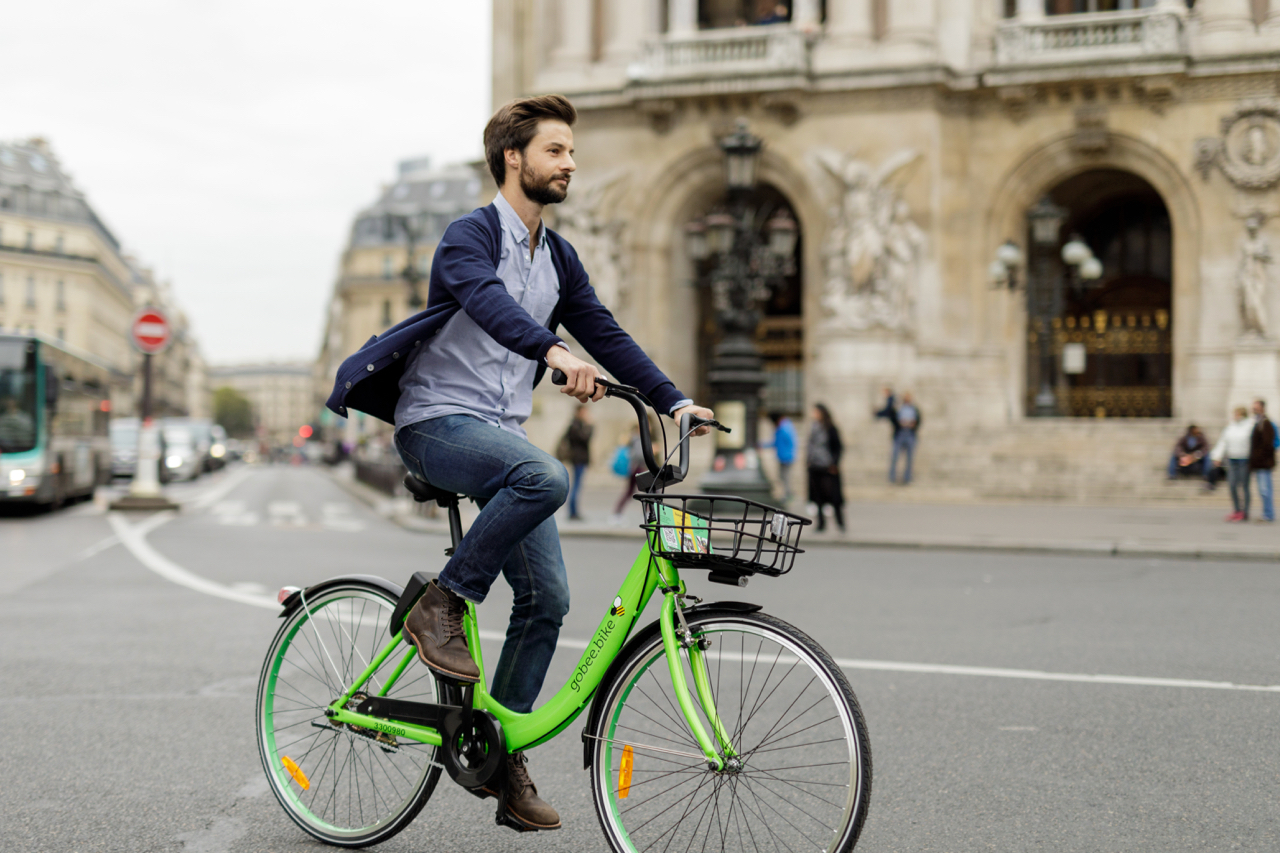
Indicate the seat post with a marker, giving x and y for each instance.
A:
(455, 526)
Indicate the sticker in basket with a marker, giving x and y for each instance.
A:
(682, 531)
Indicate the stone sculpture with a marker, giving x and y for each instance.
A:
(1253, 278)
(871, 255)
(597, 237)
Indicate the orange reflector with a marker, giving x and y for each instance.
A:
(624, 773)
(303, 782)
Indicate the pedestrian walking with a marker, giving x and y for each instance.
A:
(634, 466)
(784, 446)
(1262, 457)
(1232, 450)
(823, 460)
(576, 453)
(905, 419)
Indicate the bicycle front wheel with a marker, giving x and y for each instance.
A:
(801, 777)
(342, 784)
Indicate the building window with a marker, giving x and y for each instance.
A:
(386, 266)
(59, 244)
(61, 295)
(1076, 7)
(1, 289)
(386, 312)
(62, 334)
(424, 264)
(31, 240)
(31, 292)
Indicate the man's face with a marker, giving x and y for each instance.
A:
(546, 164)
(1257, 410)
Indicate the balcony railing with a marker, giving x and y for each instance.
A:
(740, 51)
(1090, 37)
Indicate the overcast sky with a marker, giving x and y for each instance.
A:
(228, 145)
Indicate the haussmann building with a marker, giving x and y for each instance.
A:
(1051, 220)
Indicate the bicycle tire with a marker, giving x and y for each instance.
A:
(346, 788)
(770, 682)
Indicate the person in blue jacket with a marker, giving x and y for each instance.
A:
(457, 381)
(784, 445)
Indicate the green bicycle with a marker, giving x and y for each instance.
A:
(715, 727)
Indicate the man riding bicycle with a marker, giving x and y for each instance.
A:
(457, 381)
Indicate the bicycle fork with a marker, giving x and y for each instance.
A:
(673, 642)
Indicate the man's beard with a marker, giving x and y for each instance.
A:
(543, 193)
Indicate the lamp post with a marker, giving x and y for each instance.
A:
(413, 225)
(1044, 299)
(742, 269)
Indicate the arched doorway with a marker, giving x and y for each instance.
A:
(1102, 347)
(780, 333)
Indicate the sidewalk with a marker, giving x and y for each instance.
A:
(1153, 531)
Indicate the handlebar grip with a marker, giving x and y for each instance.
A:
(558, 377)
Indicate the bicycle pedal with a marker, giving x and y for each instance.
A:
(505, 818)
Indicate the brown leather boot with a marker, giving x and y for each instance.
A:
(523, 802)
(434, 626)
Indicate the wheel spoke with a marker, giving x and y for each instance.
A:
(781, 689)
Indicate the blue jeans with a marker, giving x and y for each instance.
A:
(1238, 482)
(579, 470)
(519, 488)
(1263, 476)
(905, 442)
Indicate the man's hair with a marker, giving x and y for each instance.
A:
(1262, 404)
(515, 124)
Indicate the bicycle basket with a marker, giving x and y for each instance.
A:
(734, 538)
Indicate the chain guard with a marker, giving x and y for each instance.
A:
(474, 752)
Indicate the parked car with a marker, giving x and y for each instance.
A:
(219, 454)
(184, 459)
(201, 439)
(124, 449)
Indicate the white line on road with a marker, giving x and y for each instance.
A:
(133, 537)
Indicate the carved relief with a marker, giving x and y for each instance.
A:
(1253, 278)
(581, 219)
(1248, 150)
(871, 255)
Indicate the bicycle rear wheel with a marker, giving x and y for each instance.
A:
(803, 774)
(346, 786)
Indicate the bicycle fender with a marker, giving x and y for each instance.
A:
(643, 636)
(294, 601)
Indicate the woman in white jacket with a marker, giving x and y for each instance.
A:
(1232, 450)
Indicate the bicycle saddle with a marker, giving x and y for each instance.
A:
(423, 491)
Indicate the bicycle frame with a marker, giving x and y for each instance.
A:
(648, 574)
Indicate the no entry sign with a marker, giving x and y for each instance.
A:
(150, 331)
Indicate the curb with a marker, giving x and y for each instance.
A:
(399, 511)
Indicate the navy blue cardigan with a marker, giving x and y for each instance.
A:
(464, 277)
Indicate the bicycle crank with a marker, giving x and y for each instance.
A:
(474, 747)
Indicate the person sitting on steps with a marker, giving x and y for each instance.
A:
(501, 284)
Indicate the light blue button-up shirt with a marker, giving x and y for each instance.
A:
(463, 371)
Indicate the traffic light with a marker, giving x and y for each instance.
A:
(305, 430)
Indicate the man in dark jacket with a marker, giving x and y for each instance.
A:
(905, 418)
(1262, 457)
(457, 381)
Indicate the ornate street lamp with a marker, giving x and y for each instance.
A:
(1044, 295)
(743, 269)
(414, 225)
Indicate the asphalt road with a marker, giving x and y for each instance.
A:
(128, 718)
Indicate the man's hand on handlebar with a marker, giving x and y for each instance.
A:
(698, 412)
(581, 376)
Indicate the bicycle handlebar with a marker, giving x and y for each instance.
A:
(660, 475)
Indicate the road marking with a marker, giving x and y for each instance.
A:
(133, 537)
(286, 514)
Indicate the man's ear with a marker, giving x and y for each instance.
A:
(511, 156)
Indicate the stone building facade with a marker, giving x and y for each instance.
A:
(282, 396)
(911, 139)
(64, 275)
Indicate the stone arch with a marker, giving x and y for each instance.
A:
(684, 186)
(1056, 161)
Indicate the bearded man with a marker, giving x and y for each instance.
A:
(457, 381)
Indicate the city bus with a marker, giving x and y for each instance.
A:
(55, 404)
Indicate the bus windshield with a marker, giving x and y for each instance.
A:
(17, 396)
